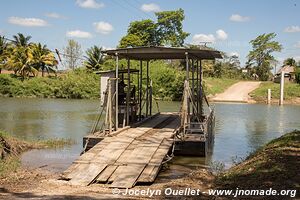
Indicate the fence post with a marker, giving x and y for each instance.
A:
(281, 88)
(269, 96)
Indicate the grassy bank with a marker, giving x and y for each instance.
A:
(276, 165)
(291, 91)
(78, 84)
(11, 147)
(214, 86)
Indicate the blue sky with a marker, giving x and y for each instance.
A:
(228, 24)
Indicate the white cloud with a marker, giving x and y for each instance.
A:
(297, 44)
(234, 54)
(55, 15)
(221, 35)
(292, 29)
(151, 7)
(198, 38)
(107, 48)
(78, 34)
(29, 22)
(89, 4)
(239, 18)
(103, 27)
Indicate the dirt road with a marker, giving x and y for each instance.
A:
(238, 92)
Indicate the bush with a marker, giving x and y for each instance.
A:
(298, 75)
(79, 84)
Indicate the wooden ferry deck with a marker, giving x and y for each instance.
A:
(135, 155)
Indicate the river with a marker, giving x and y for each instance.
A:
(240, 128)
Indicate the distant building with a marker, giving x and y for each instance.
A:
(289, 74)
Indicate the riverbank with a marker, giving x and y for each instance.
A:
(291, 93)
(275, 165)
(11, 147)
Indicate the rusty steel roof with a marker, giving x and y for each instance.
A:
(149, 53)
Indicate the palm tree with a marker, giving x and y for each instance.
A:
(21, 40)
(290, 62)
(94, 58)
(43, 58)
(20, 61)
(3, 51)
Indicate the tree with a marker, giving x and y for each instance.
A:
(260, 57)
(167, 31)
(21, 40)
(72, 54)
(43, 59)
(170, 28)
(140, 33)
(20, 61)
(3, 52)
(94, 58)
(290, 61)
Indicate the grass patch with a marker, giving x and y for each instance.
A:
(275, 165)
(291, 90)
(53, 143)
(214, 86)
(9, 165)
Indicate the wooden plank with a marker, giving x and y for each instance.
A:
(149, 174)
(127, 176)
(90, 172)
(105, 174)
(86, 173)
(152, 169)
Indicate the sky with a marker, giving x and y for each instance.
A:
(228, 24)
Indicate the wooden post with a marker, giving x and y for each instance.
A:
(117, 93)
(147, 89)
(141, 89)
(269, 96)
(193, 86)
(150, 99)
(281, 88)
(187, 82)
(197, 86)
(128, 93)
(109, 105)
(200, 89)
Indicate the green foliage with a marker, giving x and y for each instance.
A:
(77, 84)
(170, 30)
(21, 40)
(290, 61)
(140, 33)
(297, 75)
(94, 58)
(261, 56)
(167, 81)
(167, 31)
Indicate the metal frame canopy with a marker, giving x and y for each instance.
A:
(152, 52)
(193, 59)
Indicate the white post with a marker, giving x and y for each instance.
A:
(269, 96)
(281, 88)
